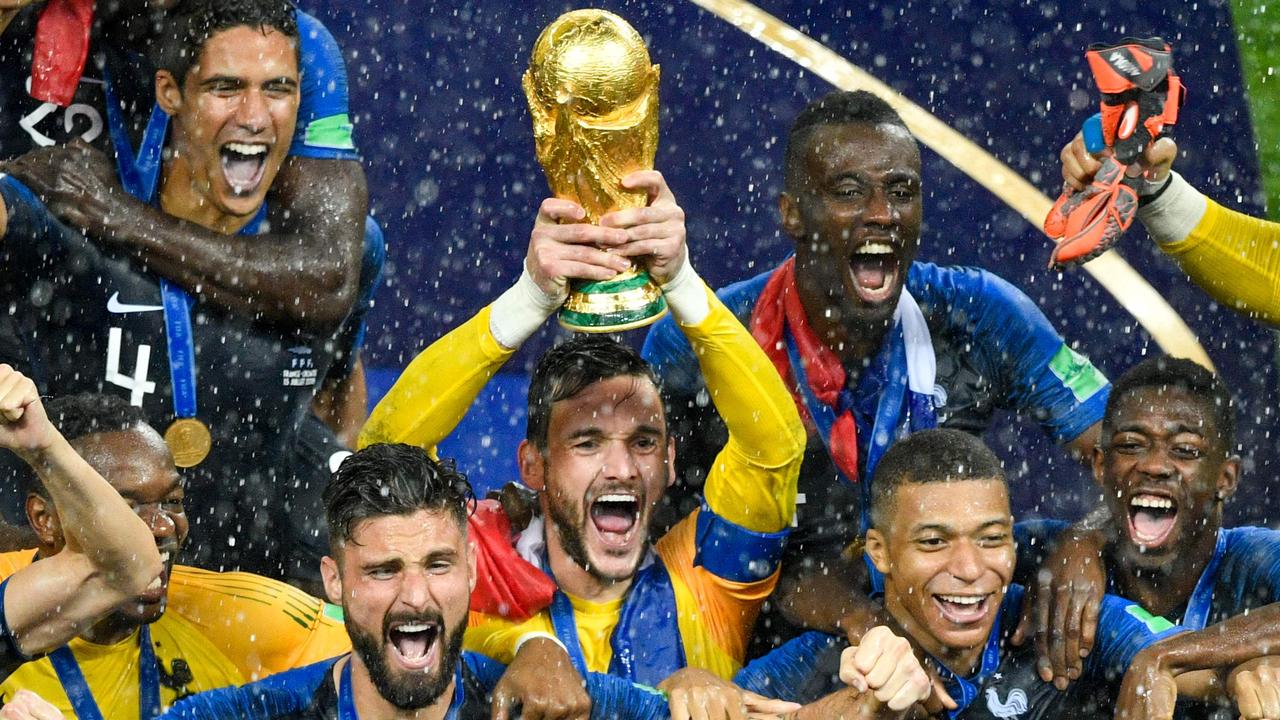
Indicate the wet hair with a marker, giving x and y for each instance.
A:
(839, 107)
(185, 32)
(571, 367)
(1177, 373)
(930, 456)
(392, 480)
(79, 416)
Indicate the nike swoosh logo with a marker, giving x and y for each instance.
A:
(115, 306)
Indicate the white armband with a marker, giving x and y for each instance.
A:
(535, 635)
(1175, 213)
(686, 295)
(520, 311)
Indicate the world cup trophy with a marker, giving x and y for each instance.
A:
(593, 95)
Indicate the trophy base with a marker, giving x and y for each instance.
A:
(626, 302)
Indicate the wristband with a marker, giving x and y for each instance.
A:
(534, 636)
(520, 311)
(1174, 212)
(687, 295)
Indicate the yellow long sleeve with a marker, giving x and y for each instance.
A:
(433, 393)
(753, 480)
(1236, 259)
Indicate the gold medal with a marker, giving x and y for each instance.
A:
(189, 441)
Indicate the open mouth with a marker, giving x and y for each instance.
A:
(156, 591)
(615, 516)
(243, 165)
(875, 269)
(1152, 519)
(414, 643)
(963, 609)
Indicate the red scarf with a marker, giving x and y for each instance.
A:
(507, 585)
(779, 308)
(62, 46)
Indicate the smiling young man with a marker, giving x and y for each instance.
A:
(942, 537)
(193, 630)
(1167, 465)
(66, 119)
(874, 344)
(229, 390)
(599, 453)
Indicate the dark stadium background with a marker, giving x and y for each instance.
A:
(445, 134)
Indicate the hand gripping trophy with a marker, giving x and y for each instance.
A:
(593, 95)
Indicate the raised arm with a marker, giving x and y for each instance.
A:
(1233, 257)
(434, 391)
(109, 555)
(752, 482)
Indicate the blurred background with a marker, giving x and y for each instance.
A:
(447, 143)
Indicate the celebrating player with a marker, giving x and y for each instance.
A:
(942, 535)
(106, 555)
(599, 453)
(230, 391)
(1167, 465)
(302, 274)
(193, 630)
(403, 571)
(874, 344)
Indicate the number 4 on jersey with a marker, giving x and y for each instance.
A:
(138, 385)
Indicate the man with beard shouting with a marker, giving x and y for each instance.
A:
(403, 571)
(599, 454)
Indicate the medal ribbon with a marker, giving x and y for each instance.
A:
(139, 174)
(81, 697)
(347, 698)
(647, 628)
(182, 348)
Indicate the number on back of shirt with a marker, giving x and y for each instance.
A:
(137, 384)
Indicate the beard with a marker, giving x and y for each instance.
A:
(571, 530)
(407, 690)
(571, 521)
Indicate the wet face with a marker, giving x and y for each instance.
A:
(139, 465)
(947, 555)
(234, 119)
(404, 583)
(1164, 471)
(855, 219)
(607, 465)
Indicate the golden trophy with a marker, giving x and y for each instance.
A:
(593, 95)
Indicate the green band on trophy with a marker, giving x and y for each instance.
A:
(606, 306)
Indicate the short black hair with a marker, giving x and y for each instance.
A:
(938, 455)
(1181, 374)
(840, 107)
(571, 367)
(84, 414)
(186, 31)
(92, 414)
(390, 480)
